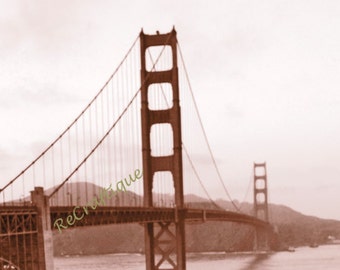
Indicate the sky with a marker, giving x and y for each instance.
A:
(265, 76)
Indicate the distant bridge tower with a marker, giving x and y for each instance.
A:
(260, 191)
(261, 204)
(165, 238)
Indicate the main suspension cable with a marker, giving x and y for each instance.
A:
(204, 132)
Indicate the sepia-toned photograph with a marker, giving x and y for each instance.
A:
(169, 135)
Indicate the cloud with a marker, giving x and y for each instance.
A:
(11, 163)
(48, 95)
(43, 23)
(233, 112)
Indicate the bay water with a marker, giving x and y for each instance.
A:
(304, 258)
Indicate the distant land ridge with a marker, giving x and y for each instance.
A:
(294, 229)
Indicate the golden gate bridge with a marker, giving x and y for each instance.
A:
(144, 118)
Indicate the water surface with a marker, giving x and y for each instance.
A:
(323, 257)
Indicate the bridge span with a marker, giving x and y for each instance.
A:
(26, 231)
(115, 215)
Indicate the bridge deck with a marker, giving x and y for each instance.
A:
(115, 215)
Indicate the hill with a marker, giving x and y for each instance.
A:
(293, 229)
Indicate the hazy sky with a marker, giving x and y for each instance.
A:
(265, 75)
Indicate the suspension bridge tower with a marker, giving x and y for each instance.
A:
(261, 204)
(166, 239)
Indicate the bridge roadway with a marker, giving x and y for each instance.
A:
(114, 215)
